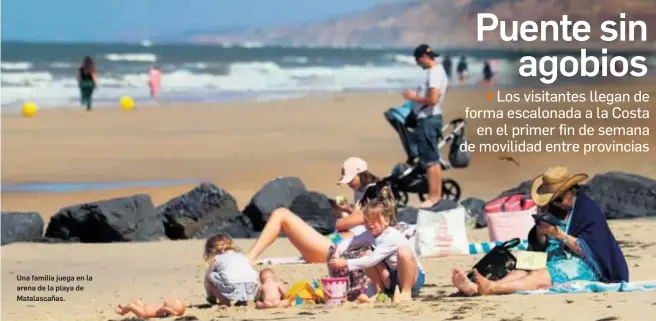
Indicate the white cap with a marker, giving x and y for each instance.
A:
(351, 168)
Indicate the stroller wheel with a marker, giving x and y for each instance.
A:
(450, 190)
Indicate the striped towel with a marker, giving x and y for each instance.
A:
(485, 247)
(595, 287)
(474, 248)
(281, 261)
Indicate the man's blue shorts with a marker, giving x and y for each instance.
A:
(427, 135)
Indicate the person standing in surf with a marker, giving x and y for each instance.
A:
(87, 80)
(462, 69)
(447, 63)
(488, 74)
(154, 81)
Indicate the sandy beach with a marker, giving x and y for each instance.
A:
(240, 146)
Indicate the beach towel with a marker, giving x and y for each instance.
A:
(595, 287)
(474, 248)
(485, 247)
(281, 260)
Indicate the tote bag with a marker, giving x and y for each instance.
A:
(496, 264)
(442, 233)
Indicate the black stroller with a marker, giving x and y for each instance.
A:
(409, 177)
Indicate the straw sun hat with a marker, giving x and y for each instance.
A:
(553, 183)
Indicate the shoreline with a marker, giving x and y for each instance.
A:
(207, 98)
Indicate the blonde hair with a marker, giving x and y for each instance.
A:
(383, 205)
(218, 244)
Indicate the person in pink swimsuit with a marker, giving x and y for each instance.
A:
(154, 81)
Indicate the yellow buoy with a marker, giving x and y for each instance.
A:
(29, 109)
(127, 103)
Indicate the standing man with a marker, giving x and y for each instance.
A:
(427, 101)
(462, 69)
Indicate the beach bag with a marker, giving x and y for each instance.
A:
(442, 233)
(512, 203)
(510, 217)
(495, 206)
(358, 280)
(496, 264)
(457, 157)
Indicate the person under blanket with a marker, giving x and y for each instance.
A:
(393, 262)
(580, 248)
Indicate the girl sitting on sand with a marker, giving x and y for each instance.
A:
(230, 277)
(393, 261)
(312, 245)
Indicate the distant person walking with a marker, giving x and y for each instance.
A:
(447, 63)
(488, 74)
(154, 81)
(462, 69)
(87, 81)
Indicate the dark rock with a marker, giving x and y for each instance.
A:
(125, 219)
(621, 195)
(476, 210)
(444, 205)
(277, 193)
(202, 212)
(409, 215)
(21, 227)
(316, 210)
(524, 189)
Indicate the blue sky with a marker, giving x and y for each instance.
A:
(107, 20)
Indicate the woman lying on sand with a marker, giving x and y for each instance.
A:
(393, 262)
(312, 245)
(580, 248)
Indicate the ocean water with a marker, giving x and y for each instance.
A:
(46, 73)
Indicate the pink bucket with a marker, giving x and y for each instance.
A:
(335, 289)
